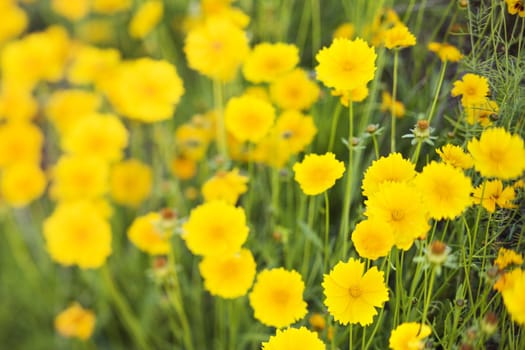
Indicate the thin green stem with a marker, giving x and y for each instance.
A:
(307, 243)
(326, 230)
(220, 128)
(428, 295)
(316, 26)
(438, 89)
(376, 146)
(333, 128)
(392, 108)
(345, 215)
(350, 337)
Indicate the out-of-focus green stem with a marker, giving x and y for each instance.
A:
(220, 128)
(392, 107)
(345, 214)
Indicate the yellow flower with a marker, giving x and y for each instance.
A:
(20, 142)
(215, 228)
(277, 297)
(130, 182)
(17, 105)
(216, 49)
(92, 65)
(13, 20)
(267, 62)
(77, 234)
(147, 234)
(192, 141)
(481, 113)
(97, 135)
(507, 257)
(355, 95)
(296, 129)
(146, 18)
(75, 322)
(77, 177)
(226, 186)
(66, 107)
(228, 276)
(387, 104)
(445, 190)
(272, 150)
(455, 156)
(392, 168)
(248, 118)
(498, 153)
(317, 321)
(352, 294)
(492, 193)
(294, 339)
(317, 173)
(409, 336)
(445, 51)
(294, 90)
(398, 37)
(473, 89)
(345, 30)
(146, 90)
(22, 183)
(373, 239)
(183, 168)
(399, 205)
(513, 295)
(72, 10)
(111, 6)
(346, 64)
(516, 7)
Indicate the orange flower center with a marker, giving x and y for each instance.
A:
(397, 215)
(355, 292)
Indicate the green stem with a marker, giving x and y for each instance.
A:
(316, 26)
(220, 128)
(333, 128)
(415, 156)
(392, 108)
(376, 146)
(307, 243)
(428, 296)
(326, 230)
(438, 89)
(348, 190)
(350, 337)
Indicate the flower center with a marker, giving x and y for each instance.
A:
(355, 292)
(348, 66)
(280, 297)
(397, 215)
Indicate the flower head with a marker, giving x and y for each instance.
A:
(147, 234)
(248, 118)
(516, 7)
(75, 322)
(492, 193)
(294, 90)
(388, 104)
(294, 339)
(409, 336)
(392, 168)
(130, 182)
(269, 61)
(20, 142)
(72, 10)
(513, 295)
(445, 51)
(498, 153)
(482, 113)
(226, 186)
(22, 183)
(507, 257)
(398, 37)
(455, 156)
(146, 18)
(277, 297)
(317, 173)
(352, 294)
(473, 89)
(373, 239)
(295, 129)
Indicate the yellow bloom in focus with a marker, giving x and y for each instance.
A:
(72, 10)
(92, 65)
(507, 257)
(409, 336)
(392, 168)
(130, 182)
(513, 296)
(146, 18)
(20, 142)
(294, 339)
(226, 186)
(215, 228)
(398, 37)
(352, 294)
(248, 118)
(146, 90)
(277, 297)
(345, 30)
(109, 7)
(77, 234)
(267, 62)
(66, 107)
(455, 156)
(147, 234)
(183, 168)
(77, 177)
(216, 49)
(387, 105)
(97, 135)
(399, 205)
(17, 105)
(296, 130)
(516, 7)
(445, 51)
(346, 64)
(481, 113)
(492, 194)
(22, 183)
(445, 190)
(473, 89)
(355, 95)
(498, 153)
(13, 20)
(228, 276)
(294, 90)
(372, 239)
(317, 173)
(75, 322)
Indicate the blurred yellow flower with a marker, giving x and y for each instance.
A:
(294, 90)
(109, 7)
(473, 89)
(226, 186)
(228, 276)
(77, 234)
(215, 228)
(507, 257)
(317, 173)
(455, 156)
(146, 233)
(516, 7)
(277, 297)
(17, 104)
(75, 322)
(192, 141)
(445, 51)
(373, 239)
(22, 183)
(146, 18)
(348, 284)
(409, 336)
(344, 30)
(392, 168)
(481, 113)
(92, 65)
(13, 20)
(346, 64)
(492, 193)
(498, 153)
(355, 95)
(513, 295)
(387, 105)
(183, 168)
(72, 10)
(294, 339)
(398, 37)
(130, 182)
(216, 49)
(20, 142)
(248, 118)
(317, 321)
(267, 61)
(296, 129)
